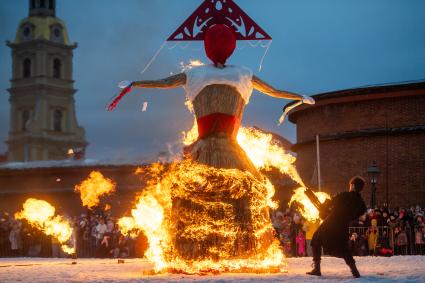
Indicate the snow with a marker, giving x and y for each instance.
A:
(72, 163)
(373, 269)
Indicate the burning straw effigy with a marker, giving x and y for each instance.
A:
(210, 212)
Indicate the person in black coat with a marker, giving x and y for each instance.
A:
(332, 234)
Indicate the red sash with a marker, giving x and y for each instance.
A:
(218, 123)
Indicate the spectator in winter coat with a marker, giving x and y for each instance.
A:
(384, 240)
(277, 218)
(385, 218)
(353, 244)
(121, 248)
(400, 241)
(383, 245)
(110, 225)
(310, 228)
(285, 235)
(419, 240)
(369, 216)
(357, 245)
(101, 229)
(105, 248)
(423, 240)
(379, 218)
(419, 220)
(360, 222)
(15, 239)
(373, 235)
(300, 240)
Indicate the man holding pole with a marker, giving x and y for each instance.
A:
(332, 234)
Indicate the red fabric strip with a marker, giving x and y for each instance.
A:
(118, 98)
(218, 123)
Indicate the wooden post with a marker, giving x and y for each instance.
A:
(319, 179)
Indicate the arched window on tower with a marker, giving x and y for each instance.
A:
(25, 118)
(57, 64)
(32, 4)
(51, 4)
(27, 68)
(42, 3)
(57, 120)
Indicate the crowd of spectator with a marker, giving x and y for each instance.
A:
(94, 235)
(385, 231)
(292, 231)
(381, 231)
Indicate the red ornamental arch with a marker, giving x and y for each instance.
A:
(212, 12)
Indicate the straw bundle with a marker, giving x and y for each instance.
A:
(219, 99)
(224, 218)
(225, 215)
(221, 150)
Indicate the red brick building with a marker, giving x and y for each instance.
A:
(357, 127)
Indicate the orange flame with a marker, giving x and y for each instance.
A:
(94, 187)
(152, 215)
(308, 210)
(41, 215)
(260, 148)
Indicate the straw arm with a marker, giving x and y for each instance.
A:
(170, 82)
(267, 89)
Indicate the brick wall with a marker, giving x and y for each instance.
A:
(400, 156)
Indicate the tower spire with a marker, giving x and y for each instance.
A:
(42, 8)
(43, 124)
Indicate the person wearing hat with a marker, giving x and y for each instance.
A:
(372, 236)
(332, 234)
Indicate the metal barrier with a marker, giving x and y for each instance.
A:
(401, 241)
(406, 241)
(84, 249)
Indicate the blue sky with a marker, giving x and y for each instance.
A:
(317, 46)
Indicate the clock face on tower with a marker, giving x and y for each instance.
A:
(57, 32)
(26, 32)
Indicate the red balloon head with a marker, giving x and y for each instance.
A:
(220, 42)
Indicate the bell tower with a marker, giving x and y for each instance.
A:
(43, 123)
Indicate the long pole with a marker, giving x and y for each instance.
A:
(373, 198)
(319, 178)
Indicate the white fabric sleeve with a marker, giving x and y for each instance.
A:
(198, 78)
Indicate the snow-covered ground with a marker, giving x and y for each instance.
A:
(373, 269)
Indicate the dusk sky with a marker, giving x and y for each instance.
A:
(318, 46)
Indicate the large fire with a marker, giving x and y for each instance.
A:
(153, 215)
(94, 187)
(41, 214)
(187, 182)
